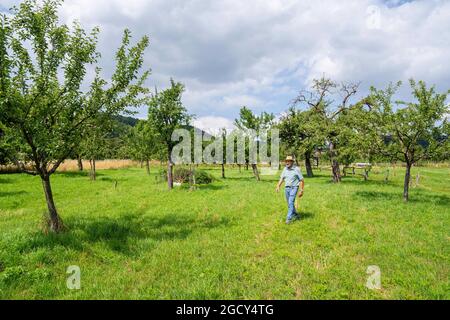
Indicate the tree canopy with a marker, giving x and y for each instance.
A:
(43, 66)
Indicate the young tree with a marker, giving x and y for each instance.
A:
(250, 122)
(143, 144)
(302, 132)
(408, 131)
(165, 114)
(43, 64)
(96, 140)
(321, 101)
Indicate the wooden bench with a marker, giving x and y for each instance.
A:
(364, 167)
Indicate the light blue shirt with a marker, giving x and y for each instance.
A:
(292, 176)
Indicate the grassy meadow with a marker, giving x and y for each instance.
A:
(226, 240)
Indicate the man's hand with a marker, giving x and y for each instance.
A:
(301, 188)
(277, 189)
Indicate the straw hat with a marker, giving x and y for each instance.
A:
(289, 158)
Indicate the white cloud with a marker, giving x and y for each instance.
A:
(213, 125)
(260, 53)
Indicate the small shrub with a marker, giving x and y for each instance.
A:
(203, 177)
(181, 175)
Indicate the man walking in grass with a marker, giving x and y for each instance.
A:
(293, 180)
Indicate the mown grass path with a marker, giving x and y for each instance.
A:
(226, 240)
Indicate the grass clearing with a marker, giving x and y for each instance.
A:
(226, 240)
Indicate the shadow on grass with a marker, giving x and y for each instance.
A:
(123, 234)
(212, 187)
(12, 193)
(422, 197)
(72, 174)
(241, 178)
(362, 182)
(5, 180)
(316, 176)
(266, 179)
(109, 179)
(306, 215)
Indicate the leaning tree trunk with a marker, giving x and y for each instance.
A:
(55, 222)
(406, 184)
(223, 171)
(170, 173)
(255, 171)
(80, 163)
(308, 166)
(147, 166)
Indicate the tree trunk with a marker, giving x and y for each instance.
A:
(223, 171)
(55, 222)
(308, 166)
(193, 179)
(406, 184)
(92, 173)
(147, 166)
(80, 163)
(170, 173)
(239, 166)
(255, 171)
(336, 171)
(246, 166)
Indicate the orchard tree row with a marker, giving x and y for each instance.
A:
(56, 104)
(375, 128)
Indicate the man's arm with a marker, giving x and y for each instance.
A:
(279, 184)
(302, 188)
(302, 183)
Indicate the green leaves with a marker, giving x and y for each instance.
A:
(167, 113)
(143, 142)
(249, 121)
(416, 130)
(43, 65)
(325, 124)
(302, 131)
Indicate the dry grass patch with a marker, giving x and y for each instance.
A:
(72, 165)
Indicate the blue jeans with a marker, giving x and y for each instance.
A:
(291, 193)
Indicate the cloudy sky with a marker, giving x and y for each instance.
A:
(231, 53)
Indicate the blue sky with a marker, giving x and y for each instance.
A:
(261, 53)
